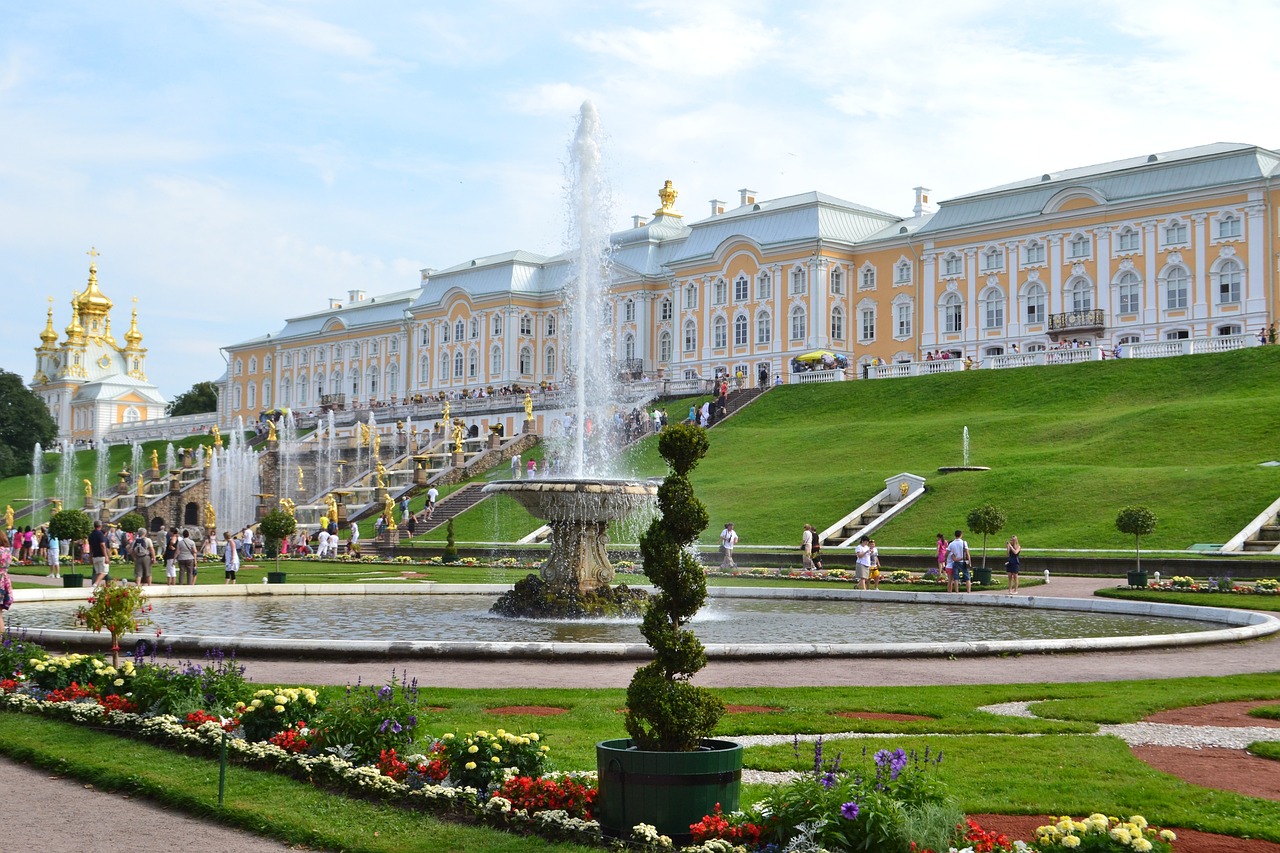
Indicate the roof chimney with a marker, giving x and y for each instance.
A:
(638, 221)
(922, 202)
(746, 197)
(334, 303)
(355, 296)
(717, 207)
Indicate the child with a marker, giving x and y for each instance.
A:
(232, 558)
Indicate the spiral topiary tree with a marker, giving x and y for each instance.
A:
(665, 712)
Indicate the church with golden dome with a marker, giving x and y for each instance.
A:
(89, 380)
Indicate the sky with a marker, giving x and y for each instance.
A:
(239, 162)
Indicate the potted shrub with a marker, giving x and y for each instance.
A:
(73, 527)
(988, 520)
(669, 774)
(275, 527)
(450, 554)
(1137, 521)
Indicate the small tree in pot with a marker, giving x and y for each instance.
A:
(1136, 521)
(275, 527)
(988, 520)
(72, 526)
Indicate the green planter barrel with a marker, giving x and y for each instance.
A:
(667, 790)
(982, 575)
(71, 580)
(1138, 579)
(275, 577)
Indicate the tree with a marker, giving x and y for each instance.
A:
(664, 710)
(24, 420)
(131, 521)
(450, 554)
(1137, 521)
(70, 525)
(201, 398)
(275, 527)
(987, 519)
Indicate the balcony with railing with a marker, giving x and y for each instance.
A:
(1077, 321)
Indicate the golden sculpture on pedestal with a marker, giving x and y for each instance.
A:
(528, 406)
(155, 460)
(388, 516)
(88, 488)
(210, 517)
(271, 431)
(8, 516)
(458, 432)
(288, 505)
(217, 435)
(332, 507)
(444, 417)
(381, 474)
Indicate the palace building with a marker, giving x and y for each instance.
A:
(89, 380)
(1159, 247)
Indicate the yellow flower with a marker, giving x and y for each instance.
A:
(1138, 821)
(1072, 841)
(533, 736)
(482, 734)
(544, 748)
(279, 709)
(470, 765)
(502, 732)
(1121, 834)
(497, 747)
(473, 749)
(1168, 835)
(119, 682)
(496, 760)
(280, 700)
(447, 736)
(256, 703)
(1142, 845)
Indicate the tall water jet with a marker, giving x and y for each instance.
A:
(135, 460)
(65, 484)
(234, 482)
(965, 441)
(170, 458)
(287, 444)
(331, 452)
(37, 481)
(102, 469)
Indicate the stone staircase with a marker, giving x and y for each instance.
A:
(452, 506)
(739, 399)
(1266, 539)
(852, 529)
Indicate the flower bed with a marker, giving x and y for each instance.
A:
(1225, 583)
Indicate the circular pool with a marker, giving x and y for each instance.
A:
(444, 621)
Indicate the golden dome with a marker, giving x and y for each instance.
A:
(49, 337)
(75, 332)
(133, 338)
(92, 302)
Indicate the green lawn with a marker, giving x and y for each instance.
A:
(1197, 599)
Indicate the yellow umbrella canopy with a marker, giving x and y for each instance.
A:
(815, 355)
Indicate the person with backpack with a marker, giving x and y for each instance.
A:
(184, 553)
(144, 554)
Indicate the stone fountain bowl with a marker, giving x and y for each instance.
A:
(578, 500)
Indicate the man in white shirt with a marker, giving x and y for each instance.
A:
(862, 566)
(433, 495)
(958, 563)
(806, 548)
(728, 538)
(515, 467)
(353, 547)
(322, 549)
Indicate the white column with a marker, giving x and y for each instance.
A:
(1104, 293)
(1013, 321)
(644, 318)
(928, 309)
(1150, 287)
(819, 290)
(971, 295)
(1200, 247)
(1054, 242)
(1255, 277)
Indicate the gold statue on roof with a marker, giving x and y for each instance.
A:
(667, 195)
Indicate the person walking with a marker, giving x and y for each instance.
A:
(184, 554)
(353, 546)
(728, 539)
(54, 556)
(232, 559)
(98, 553)
(170, 556)
(144, 556)
(942, 558)
(958, 557)
(806, 548)
(6, 585)
(875, 563)
(862, 561)
(515, 467)
(815, 553)
(1014, 562)
(433, 495)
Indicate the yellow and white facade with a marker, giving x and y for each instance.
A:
(89, 380)
(1181, 244)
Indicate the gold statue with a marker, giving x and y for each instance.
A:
(528, 406)
(667, 195)
(375, 442)
(444, 416)
(388, 515)
(142, 485)
(300, 481)
(458, 432)
(381, 475)
(57, 505)
(217, 436)
(8, 517)
(88, 488)
(364, 433)
(271, 431)
(210, 517)
(288, 506)
(332, 507)
(155, 460)
(208, 455)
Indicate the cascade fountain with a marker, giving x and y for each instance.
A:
(102, 469)
(37, 479)
(170, 458)
(579, 509)
(65, 484)
(964, 456)
(234, 481)
(965, 441)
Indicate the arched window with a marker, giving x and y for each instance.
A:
(132, 415)
(335, 381)
(952, 313)
(799, 281)
(690, 336)
(286, 395)
(426, 337)
(495, 362)
(799, 324)
(460, 331)
(837, 280)
(721, 292)
(629, 347)
(629, 311)
(690, 296)
(266, 393)
(253, 395)
(444, 367)
(837, 323)
(1035, 303)
(740, 289)
(902, 273)
(473, 364)
(1080, 295)
(551, 325)
(1078, 247)
(664, 309)
(526, 325)
(302, 389)
(719, 333)
(764, 286)
(495, 328)
(526, 361)
(1127, 240)
(373, 383)
(664, 348)
(992, 308)
(1230, 277)
(457, 365)
(740, 330)
(1229, 226)
(549, 361)
(868, 278)
(474, 328)
(266, 364)
(235, 396)
(320, 382)
(952, 265)
(393, 380)
(1034, 253)
(992, 259)
(424, 370)
(1176, 280)
(253, 364)
(764, 328)
(1129, 292)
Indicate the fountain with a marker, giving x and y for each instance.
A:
(964, 456)
(579, 509)
(170, 458)
(965, 441)
(234, 481)
(65, 487)
(37, 479)
(101, 469)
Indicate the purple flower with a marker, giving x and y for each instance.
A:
(828, 780)
(849, 811)
(385, 693)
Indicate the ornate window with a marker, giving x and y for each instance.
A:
(902, 320)
(719, 333)
(253, 395)
(495, 361)
(664, 348)
(473, 364)
(837, 280)
(1229, 226)
(286, 392)
(549, 361)
(526, 325)
(1175, 233)
(1176, 282)
(764, 328)
(629, 311)
(444, 332)
(424, 369)
(335, 381)
(1129, 290)
(952, 265)
(952, 313)
(664, 309)
(551, 325)
(1127, 240)
(628, 347)
(1035, 303)
(302, 389)
(837, 323)
(740, 289)
(1079, 247)
(690, 296)
(992, 259)
(1230, 277)
(373, 383)
(799, 323)
(253, 364)
(444, 367)
(740, 330)
(495, 327)
(764, 286)
(474, 328)
(457, 365)
(526, 361)
(239, 369)
(721, 292)
(867, 324)
(459, 331)
(426, 336)
(992, 308)
(799, 281)
(393, 379)
(690, 336)
(373, 348)
(1034, 253)
(868, 279)
(902, 273)
(1080, 295)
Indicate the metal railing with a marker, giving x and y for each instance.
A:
(1068, 320)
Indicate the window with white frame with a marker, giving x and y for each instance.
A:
(335, 381)
(952, 313)
(992, 259)
(459, 331)
(799, 281)
(799, 324)
(867, 324)
(1129, 291)
(394, 346)
(286, 360)
(868, 279)
(1175, 233)
(1033, 253)
(664, 348)
(629, 311)
(1127, 240)
(740, 330)
(253, 395)
(526, 361)
(1230, 277)
(302, 390)
(457, 365)
(1231, 329)
(992, 308)
(952, 265)
(473, 364)
(550, 325)
(902, 320)
(1080, 295)
(1176, 282)
(719, 333)
(690, 297)
(764, 286)
(253, 364)
(902, 273)
(444, 332)
(741, 289)
(373, 347)
(1177, 335)
(444, 367)
(1035, 304)
(721, 291)
(239, 370)
(473, 329)
(690, 336)
(764, 328)
(664, 309)
(629, 347)
(526, 325)
(393, 379)
(495, 361)
(495, 327)
(549, 361)
(837, 323)
(837, 280)
(286, 392)
(1229, 226)
(1078, 247)
(235, 397)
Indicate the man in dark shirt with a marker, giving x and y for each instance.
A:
(98, 553)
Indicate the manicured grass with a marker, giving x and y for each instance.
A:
(261, 802)
(1266, 749)
(1197, 599)
(1266, 712)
